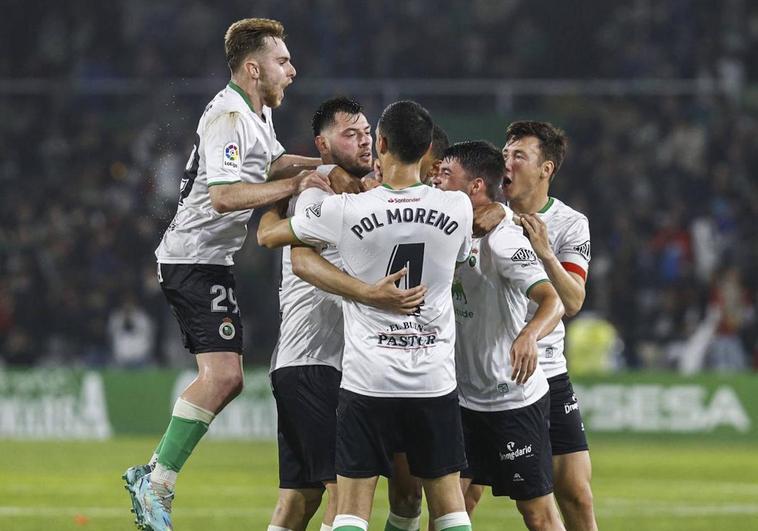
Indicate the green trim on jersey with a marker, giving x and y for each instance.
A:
(289, 222)
(536, 284)
(223, 182)
(547, 206)
(398, 189)
(236, 88)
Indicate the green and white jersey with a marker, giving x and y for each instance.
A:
(232, 144)
(311, 331)
(490, 298)
(377, 233)
(569, 234)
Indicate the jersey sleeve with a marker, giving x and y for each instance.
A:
(468, 225)
(574, 251)
(224, 149)
(515, 259)
(318, 217)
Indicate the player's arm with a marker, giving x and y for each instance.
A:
(287, 166)
(316, 270)
(524, 352)
(570, 285)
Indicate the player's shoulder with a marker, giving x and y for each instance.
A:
(507, 234)
(230, 104)
(564, 213)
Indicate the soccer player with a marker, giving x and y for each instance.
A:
(430, 162)
(504, 397)
(398, 382)
(534, 152)
(306, 364)
(225, 178)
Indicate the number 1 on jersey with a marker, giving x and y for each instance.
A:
(412, 256)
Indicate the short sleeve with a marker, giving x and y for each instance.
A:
(515, 259)
(468, 223)
(224, 147)
(574, 251)
(318, 217)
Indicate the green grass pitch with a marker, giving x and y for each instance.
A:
(639, 485)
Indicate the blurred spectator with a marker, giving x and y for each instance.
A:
(729, 296)
(130, 332)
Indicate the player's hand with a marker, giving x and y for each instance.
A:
(536, 231)
(387, 296)
(343, 182)
(523, 355)
(378, 171)
(487, 217)
(312, 179)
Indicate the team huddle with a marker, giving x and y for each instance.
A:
(421, 302)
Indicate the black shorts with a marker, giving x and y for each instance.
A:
(510, 450)
(306, 406)
(566, 427)
(371, 429)
(202, 299)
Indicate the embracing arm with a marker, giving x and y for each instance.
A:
(569, 285)
(524, 352)
(316, 270)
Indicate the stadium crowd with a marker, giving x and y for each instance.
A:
(90, 180)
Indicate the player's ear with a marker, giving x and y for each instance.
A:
(548, 167)
(381, 144)
(322, 144)
(252, 68)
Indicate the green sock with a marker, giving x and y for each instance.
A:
(160, 445)
(180, 439)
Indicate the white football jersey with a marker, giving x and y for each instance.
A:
(569, 235)
(311, 331)
(490, 297)
(232, 144)
(380, 232)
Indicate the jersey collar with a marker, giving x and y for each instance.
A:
(401, 189)
(547, 206)
(236, 88)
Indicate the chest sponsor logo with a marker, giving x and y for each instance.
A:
(232, 156)
(584, 250)
(524, 256)
(514, 453)
(407, 335)
(314, 209)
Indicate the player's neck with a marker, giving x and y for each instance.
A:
(253, 99)
(398, 176)
(530, 204)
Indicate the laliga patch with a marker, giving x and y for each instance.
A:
(227, 330)
(314, 209)
(231, 156)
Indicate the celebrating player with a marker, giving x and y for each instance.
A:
(534, 152)
(235, 152)
(503, 391)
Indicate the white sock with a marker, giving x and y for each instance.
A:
(349, 520)
(163, 475)
(189, 411)
(451, 520)
(325, 527)
(401, 522)
(277, 528)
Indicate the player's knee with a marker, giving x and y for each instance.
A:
(406, 503)
(579, 498)
(296, 507)
(537, 516)
(227, 382)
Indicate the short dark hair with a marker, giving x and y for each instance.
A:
(480, 158)
(553, 141)
(325, 114)
(247, 36)
(407, 126)
(440, 142)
